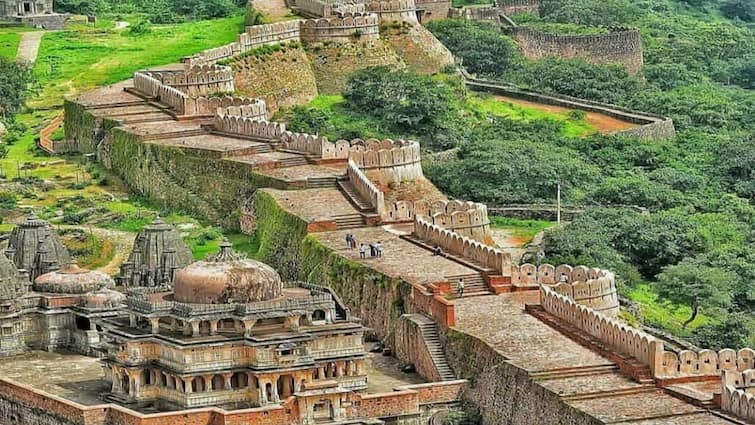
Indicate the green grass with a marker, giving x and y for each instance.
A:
(658, 313)
(462, 3)
(487, 104)
(9, 39)
(522, 230)
(84, 58)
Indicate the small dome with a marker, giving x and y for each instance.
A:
(226, 277)
(72, 280)
(104, 298)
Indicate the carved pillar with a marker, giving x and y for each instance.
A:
(194, 329)
(359, 367)
(188, 385)
(248, 325)
(155, 322)
(321, 372)
(227, 380)
(213, 327)
(339, 369)
(186, 326)
(132, 320)
(208, 383)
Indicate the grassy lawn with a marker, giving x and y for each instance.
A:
(9, 39)
(664, 315)
(83, 57)
(570, 126)
(521, 230)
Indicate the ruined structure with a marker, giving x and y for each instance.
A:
(33, 12)
(158, 252)
(35, 248)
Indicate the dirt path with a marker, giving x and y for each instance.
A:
(273, 9)
(122, 245)
(603, 123)
(29, 46)
(506, 241)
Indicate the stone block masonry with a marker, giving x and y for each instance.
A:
(349, 28)
(621, 46)
(514, 7)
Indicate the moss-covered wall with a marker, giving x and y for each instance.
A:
(502, 392)
(417, 47)
(283, 78)
(333, 63)
(82, 129)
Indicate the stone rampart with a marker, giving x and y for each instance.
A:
(619, 337)
(705, 362)
(391, 160)
(201, 80)
(313, 8)
(650, 126)
(468, 219)
(393, 10)
(251, 127)
(736, 393)
(619, 46)
(318, 146)
(431, 10)
(513, 7)
(489, 13)
(366, 188)
(347, 28)
(456, 244)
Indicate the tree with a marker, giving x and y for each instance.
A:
(742, 9)
(14, 81)
(696, 286)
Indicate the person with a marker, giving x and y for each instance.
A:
(372, 250)
(362, 250)
(353, 242)
(460, 287)
(348, 240)
(437, 250)
(379, 249)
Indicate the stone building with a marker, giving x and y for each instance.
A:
(158, 252)
(10, 9)
(35, 248)
(231, 333)
(13, 284)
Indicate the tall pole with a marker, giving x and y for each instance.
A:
(558, 204)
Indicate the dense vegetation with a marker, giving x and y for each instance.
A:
(156, 11)
(686, 252)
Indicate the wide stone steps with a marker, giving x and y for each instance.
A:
(429, 331)
(292, 162)
(353, 196)
(613, 393)
(322, 182)
(474, 284)
(570, 372)
(175, 134)
(349, 221)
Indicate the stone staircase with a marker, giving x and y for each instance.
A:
(175, 134)
(322, 182)
(474, 284)
(353, 196)
(292, 162)
(349, 221)
(429, 331)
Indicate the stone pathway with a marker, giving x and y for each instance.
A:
(275, 10)
(29, 46)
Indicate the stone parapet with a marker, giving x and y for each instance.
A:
(248, 126)
(513, 7)
(619, 46)
(275, 33)
(617, 336)
(365, 187)
(467, 248)
(736, 393)
(489, 13)
(200, 80)
(689, 363)
(393, 10)
(393, 160)
(347, 28)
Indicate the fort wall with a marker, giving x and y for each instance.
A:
(650, 126)
(247, 126)
(618, 336)
(462, 246)
(389, 160)
(348, 28)
(393, 10)
(489, 14)
(689, 363)
(431, 10)
(200, 80)
(736, 393)
(468, 219)
(365, 187)
(513, 7)
(620, 46)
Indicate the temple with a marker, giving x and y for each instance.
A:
(232, 334)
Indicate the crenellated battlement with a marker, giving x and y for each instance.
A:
(250, 125)
(619, 46)
(198, 80)
(513, 7)
(392, 160)
(346, 28)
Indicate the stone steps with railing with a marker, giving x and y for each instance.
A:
(429, 331)
(322, 182)
(353, 196)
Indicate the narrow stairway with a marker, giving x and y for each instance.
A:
(292, 162)
(321, 182)
(349, 221)
(474, 284)
(429, 331)
(353, 196)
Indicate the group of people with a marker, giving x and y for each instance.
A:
(376, 249)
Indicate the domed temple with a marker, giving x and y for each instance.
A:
(231, 333)
(158, 252)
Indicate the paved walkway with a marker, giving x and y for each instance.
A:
(29, 46)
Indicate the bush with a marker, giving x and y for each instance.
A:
(140, 28)
(8, 200)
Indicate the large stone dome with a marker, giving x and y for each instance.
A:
(72, 280)
(226, 277)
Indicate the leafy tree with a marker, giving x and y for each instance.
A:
(14, 81)
(697, 286)
(464, 38)
(407, 100)
(591, 12)
(253, 17)
(733, 331)
(742, 9)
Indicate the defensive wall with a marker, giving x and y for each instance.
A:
(650, 126)
(387, 10)
(412, 404)
(621, 46)
(490, 14)
(736, 393)
(431, 10)
(201, 80)
(366, 189)
(359, 26)
(513, 7)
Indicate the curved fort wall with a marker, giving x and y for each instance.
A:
(361, 26)
(198, 80)
(737, 391)
(390, 160)
(619, 46)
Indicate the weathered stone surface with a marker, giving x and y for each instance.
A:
(35, 247)
(158, 251)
